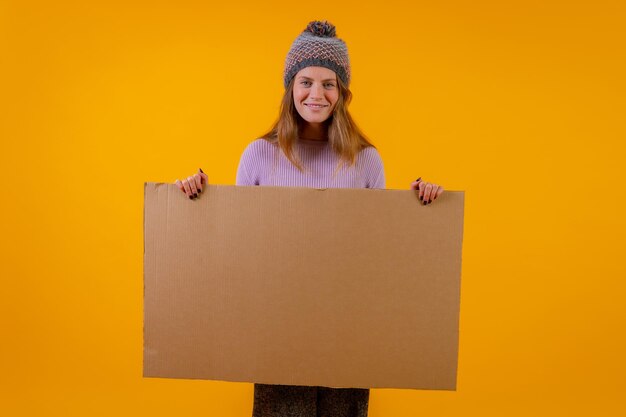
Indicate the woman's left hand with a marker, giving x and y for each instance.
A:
(428, 192)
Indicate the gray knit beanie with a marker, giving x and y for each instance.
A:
(318, 46)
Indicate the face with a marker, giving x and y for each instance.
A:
(315, 93)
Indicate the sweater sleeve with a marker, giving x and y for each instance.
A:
(374, 169)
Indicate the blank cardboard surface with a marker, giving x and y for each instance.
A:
(278, 285)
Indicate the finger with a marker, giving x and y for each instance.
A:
(187, 189)
(179, 184)
(205, 177)
(421, 186)
(415, 184)
(427, 190)
(439, 192)
(192, 186)
(197, 179)
(433, 193)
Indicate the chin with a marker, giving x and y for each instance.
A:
(317, 119)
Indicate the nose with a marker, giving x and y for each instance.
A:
(317, 91)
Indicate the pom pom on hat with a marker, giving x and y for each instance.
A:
(321, 28)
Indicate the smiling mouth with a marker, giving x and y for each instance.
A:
(316, 106)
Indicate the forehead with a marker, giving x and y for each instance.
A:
(317, 73)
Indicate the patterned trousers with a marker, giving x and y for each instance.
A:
(298, 401)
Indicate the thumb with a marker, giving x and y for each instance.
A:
(205, 177)
(415, 184)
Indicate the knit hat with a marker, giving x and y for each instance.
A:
(318, 46)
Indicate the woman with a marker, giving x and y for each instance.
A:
(314, 143)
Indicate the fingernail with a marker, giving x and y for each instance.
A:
(195, 196)
(190, 197)
(201, 170)
(198, 191)
(418, 179)
(421, 197)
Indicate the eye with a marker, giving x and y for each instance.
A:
(305, 82)
(330, 85)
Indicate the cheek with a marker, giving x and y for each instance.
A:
(333, 99)
(298, 94)
(298, 106)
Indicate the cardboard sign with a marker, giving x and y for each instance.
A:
(298, 286)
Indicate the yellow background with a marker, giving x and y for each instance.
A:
(519, 103)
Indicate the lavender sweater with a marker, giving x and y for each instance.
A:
(262, 163)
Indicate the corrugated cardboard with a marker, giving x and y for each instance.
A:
(336, 287)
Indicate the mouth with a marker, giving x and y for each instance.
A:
(315, 106)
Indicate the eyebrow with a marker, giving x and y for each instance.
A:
(307, 78)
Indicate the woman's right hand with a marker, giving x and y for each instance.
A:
(192, 186)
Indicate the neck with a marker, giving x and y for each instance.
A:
(313, 131)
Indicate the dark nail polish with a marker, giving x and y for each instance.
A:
(190, 197)
(201, 170)
(421, 197)
(198, 191)
(195, 196)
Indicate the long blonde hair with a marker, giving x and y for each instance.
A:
(344, 136)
